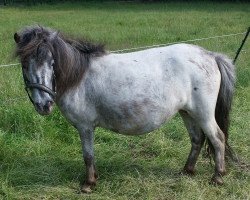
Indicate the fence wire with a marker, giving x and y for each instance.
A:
(183, 41)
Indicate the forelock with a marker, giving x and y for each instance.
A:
(31, 38)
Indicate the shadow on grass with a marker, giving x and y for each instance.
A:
(54, 171)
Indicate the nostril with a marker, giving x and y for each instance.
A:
(49, 103)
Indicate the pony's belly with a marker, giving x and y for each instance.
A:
(139, 130)
(131, 129)
(135, 125)
(138, 114)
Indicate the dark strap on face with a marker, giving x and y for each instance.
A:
(41, 87)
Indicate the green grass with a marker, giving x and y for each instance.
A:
(40, 157)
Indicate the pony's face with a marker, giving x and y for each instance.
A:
(39, 77)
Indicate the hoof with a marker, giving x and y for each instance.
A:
(217, 180)
(86, 188)
(189, 172)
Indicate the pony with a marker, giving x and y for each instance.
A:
(129, 93)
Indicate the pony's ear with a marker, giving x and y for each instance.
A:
(17, 38)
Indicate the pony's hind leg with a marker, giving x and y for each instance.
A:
(197, 140)
(217, 139)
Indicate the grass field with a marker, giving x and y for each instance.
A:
(40, 157)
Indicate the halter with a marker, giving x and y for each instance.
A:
(29, 85)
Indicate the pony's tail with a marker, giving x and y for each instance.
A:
(224, 101)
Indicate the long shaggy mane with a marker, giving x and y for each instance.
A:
(71, 56)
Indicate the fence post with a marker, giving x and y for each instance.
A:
(243, 42)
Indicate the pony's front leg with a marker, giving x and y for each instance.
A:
(87, 141)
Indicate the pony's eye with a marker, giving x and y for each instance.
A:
(52, 63)
(25, 64)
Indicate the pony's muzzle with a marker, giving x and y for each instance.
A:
(44, 109)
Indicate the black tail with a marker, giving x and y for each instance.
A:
(224, 101)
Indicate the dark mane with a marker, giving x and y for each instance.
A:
(72, 56)
(85, 46)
